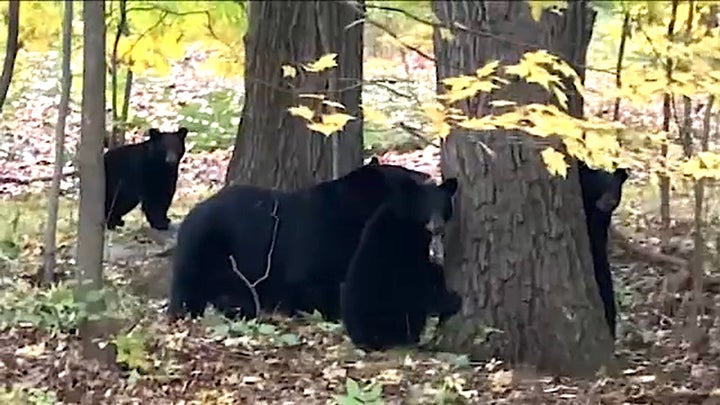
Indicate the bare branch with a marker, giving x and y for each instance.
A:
(416, 134)
(253, 286)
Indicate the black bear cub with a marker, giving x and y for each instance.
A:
(392, 285)
(144, 173)
(601, 194)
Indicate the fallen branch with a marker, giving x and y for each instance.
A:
(25, 182)
(647, 252)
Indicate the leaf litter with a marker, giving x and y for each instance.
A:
(306, 362)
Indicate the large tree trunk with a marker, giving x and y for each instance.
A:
(90, 151)
(11, 49)
(274, 149)
(519, 253)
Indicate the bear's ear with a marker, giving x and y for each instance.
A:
(182, 132)
(450, 186)
(153, 133)
(374, 161)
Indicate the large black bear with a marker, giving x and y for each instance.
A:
(144, 173)
(601, 194)
(392, 285)
(297, 243)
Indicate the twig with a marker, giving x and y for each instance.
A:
(252, 286)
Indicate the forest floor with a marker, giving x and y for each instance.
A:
(304, 361)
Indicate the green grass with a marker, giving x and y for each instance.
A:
(24, 218)
(214, 118)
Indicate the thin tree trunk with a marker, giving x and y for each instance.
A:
(619, 66)
(697, 264)
(125, 107)
(54, 197)
(274, 149)
(11, 50)
(519, 251)
(92, 177)
(121, 30)
(665, 180)
(686, 133)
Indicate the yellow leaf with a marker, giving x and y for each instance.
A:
(487, 70)
(302, 111)
(375, 116)
(536, 9)
(436, 114)
(555, 162)
(458, 82)
(289, 71)
(325, 62)
(326, 130)
(434, 111)
(446, 34)
(338, 119)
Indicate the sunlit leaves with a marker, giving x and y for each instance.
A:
(302, 111)
(374, 116)
(288, 71)
(323, 63)
(330, 123)
(537, 7)
(40, 23)
(435, 113)
(703, 165)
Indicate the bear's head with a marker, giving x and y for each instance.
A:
(168, 147)
(602, 189)
(424, 202)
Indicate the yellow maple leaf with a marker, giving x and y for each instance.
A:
(288, 71)
(302, 111)
(331, 123)
(338, 119)
(487, 70)
(458, 83)
(324, 62)
(554, 161)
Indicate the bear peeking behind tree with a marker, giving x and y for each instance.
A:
(145, 173)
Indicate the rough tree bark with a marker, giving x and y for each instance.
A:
(274, 149)
(54, 197)
(11, 50)
(519, 252)
(91, 229)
